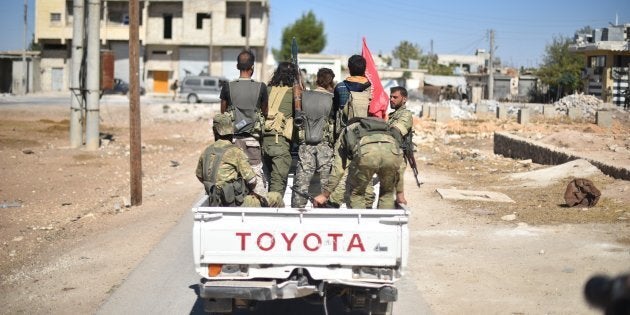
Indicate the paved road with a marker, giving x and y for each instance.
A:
(165, 283)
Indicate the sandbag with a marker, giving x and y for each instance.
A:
(581, 192)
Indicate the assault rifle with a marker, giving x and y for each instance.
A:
(407, 147)
(297, 86)
(311, 198)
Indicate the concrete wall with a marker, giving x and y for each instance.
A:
(520, 148)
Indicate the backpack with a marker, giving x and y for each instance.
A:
(360, 129)
(228, 195)
(356, 106)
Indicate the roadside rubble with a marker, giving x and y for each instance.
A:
(589, 104)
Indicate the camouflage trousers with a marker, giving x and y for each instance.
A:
(252, 149)
(382, 159)
(311, 159)
(341, 194)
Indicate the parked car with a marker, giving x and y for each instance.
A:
(121, 87)
(195, 89)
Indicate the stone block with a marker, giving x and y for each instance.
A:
(426, 111)
(549, 111)
(523, 116)
(502, 112)
(574, 113)
(604, 118)
(442, 114)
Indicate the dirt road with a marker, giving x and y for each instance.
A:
(68, 239)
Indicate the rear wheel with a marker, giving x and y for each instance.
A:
(383, 308)
(192, 99)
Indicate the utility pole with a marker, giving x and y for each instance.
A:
(247, 25)
(24, 66)
(76, 90)
(93, 75)
(491, 67)
(210, 48)
(135, 148)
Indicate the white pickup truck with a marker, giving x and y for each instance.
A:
(246, 255)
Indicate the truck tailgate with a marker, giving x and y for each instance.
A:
(299, 237)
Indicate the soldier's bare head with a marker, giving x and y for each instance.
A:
(356, 65)
(325, 79)
(245, 61)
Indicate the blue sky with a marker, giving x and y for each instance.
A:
(522, 28)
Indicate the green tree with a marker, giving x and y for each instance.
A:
(309, 33)
(561, 69)
(405, 51)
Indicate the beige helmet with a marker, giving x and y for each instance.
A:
(222, 124)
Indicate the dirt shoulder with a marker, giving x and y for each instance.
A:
(68, 239)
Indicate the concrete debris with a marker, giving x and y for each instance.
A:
(588, 104)
(549, 175)
(12, 204)
(456, 194)
(509, 217)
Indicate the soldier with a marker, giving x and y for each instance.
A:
(278, 131)
(315, 133)
(351, 99)
(224, 171)
(372, 147)
(401, 119)
(246, 100)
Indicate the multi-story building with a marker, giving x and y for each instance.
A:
(607, 52)
(177, 38)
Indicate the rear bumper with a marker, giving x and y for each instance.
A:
(255, 290)
(271, 290)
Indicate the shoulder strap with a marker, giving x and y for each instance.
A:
(275, 98)
(218, 153)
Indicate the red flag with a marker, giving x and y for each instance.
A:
(380, 100)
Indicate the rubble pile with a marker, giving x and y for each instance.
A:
(588, 104)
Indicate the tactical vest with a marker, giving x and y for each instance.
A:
(230, 194)
(368, 130)
(244, 95)
(316, 107)
(277, 123)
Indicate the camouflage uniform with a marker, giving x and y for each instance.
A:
(233, 166)
(379, 154)
(314, 157)
(402, 119)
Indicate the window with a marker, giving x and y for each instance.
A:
(168, 26)
(195, 82)
(55, 17)
(200, 18)
(598, 61)
(209, 82)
